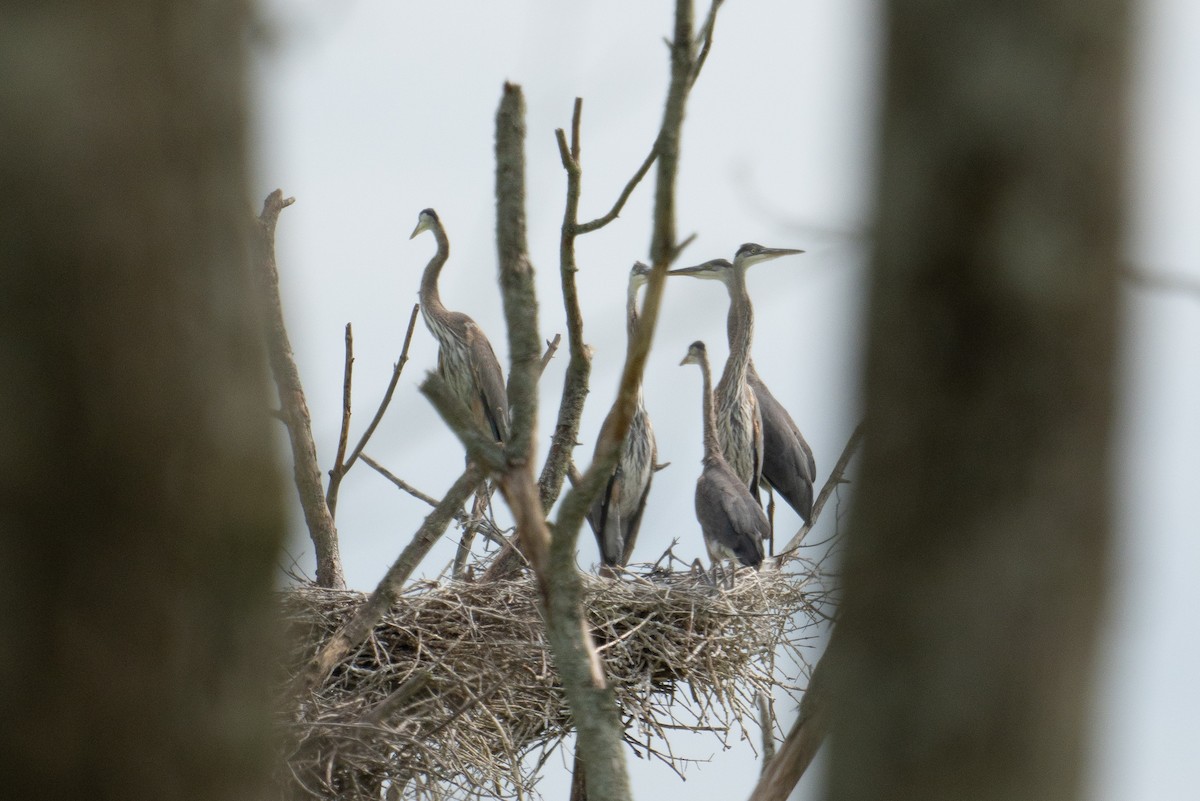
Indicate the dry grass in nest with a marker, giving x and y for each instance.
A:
(455, 695)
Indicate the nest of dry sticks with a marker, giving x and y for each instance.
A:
(454, 694)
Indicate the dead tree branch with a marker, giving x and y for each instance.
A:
(344, 434)
(293, 406)
(486, 527)
(339, 469)
(836, 479)
(783, 772)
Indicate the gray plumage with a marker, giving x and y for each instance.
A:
(465, 357)
(785, 461)
(739, 423)
(788, 464)
(732, 521)
(616, 515)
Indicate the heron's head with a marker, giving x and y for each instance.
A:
(639, 274)
(718, 269)
(425, 220)
(751, 253)
(697, 354)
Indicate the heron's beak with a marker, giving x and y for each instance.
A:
(771, 253)
(685, 360)
(698, 269)
(422, 225)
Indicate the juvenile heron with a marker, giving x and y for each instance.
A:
(733, 523)
(786, 461)
(465, 357)
(467, 363)
(616, 514)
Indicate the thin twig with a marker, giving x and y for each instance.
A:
(486, 527)
(551, 349)
(806, 735)
(706, 38)
(615, 211)
(339, 470)
(579, 365)
(293, 406)
(836, 478)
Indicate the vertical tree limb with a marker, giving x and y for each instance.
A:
(292, 405)
(339, 466)
(975, 567)
(141, 499)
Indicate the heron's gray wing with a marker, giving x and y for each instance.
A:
(489, 379)
(788, 464)
(602, 506)
(729, 515)
(635, 520)
(608, 536)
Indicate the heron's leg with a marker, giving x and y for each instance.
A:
(478, 509)
(771, 520)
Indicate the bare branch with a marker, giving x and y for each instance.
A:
(804, 739)
(705, 39)
(836, 478)
(486, 527)
(391, 389)
(293, 406)
(339, 469)
(355, 631)
(663, 249)
(766, 718)
(615, 211)
(579, 366)
(551, 349)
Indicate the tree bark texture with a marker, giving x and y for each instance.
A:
(140, 502)
(976, 565)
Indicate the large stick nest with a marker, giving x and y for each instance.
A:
(455, 694)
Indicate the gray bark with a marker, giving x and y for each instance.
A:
(141, 502)
(975, 569)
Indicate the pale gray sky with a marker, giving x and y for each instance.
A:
(369, 111)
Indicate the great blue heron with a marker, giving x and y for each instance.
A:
(467, 363)
(465, 357)
(787, 463)
(616, 514)
(733, 522)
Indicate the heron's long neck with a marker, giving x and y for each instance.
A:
(431, 299)
(739, 327)
(712, 447)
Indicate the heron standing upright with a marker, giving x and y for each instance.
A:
(465, 360)
(616, 514)
(786, 461)
(465, 357)
(732, 521)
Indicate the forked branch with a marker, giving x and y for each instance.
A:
(293, 408)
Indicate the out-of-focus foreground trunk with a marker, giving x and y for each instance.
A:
(976, 565)
(140, 508)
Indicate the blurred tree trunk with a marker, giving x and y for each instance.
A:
(976, 567)
(140, 508)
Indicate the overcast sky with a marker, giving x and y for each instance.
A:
(369, 111)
